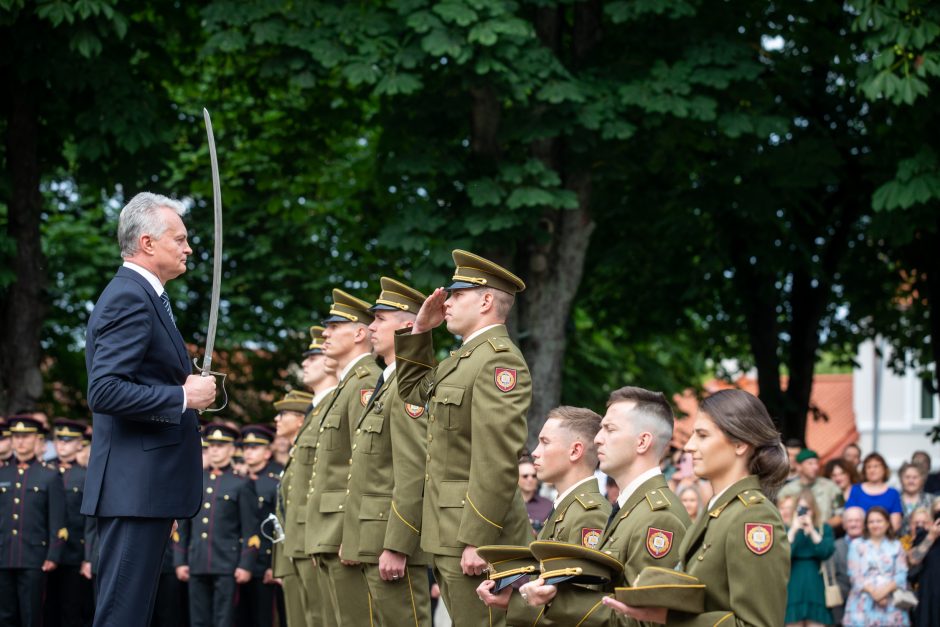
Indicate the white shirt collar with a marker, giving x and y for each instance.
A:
(715, 498)
(351, 365)
(627, 492)
(561, 497)
(389, 369)
(478, 332)
(147, 274)
(319, 396)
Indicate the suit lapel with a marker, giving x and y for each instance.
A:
(162, 316)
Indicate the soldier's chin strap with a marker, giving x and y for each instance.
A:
(277, 532)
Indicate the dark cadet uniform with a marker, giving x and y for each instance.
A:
(348, 594)
(68, 594)
(580, 518)
(477, 401)
(5, 457)
(383, 507)
(32, 531)
(646, 531)
(222, 537)
(739, 550)
(256, 598)
(302, 596)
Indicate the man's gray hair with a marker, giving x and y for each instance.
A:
(141, 216)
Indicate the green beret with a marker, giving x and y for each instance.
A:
(805, 454)
(663, 587)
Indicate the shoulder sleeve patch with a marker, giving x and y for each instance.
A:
(591, 537)
(657, 500)
(658, 542)
(505, 379)
(587, 501)
(758, 537)
(63, 534)
(254, 542)
(500, 345)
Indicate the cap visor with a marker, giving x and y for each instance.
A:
(461, 285)
(313, 351)
(334, 319)
(381, 307)
(505, 582)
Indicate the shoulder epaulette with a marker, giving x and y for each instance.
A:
(499, 344)
(657, 500)
(587, 501)
(362, 372)
(750, 497)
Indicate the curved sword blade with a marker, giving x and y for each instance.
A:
(217, 251)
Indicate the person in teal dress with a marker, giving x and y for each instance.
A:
(810, 545)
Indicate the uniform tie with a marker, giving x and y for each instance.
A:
(613, 513)
(166, 305)
(379, 384)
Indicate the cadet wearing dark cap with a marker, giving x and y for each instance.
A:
(477, 400)
(6, 443)
(382, 526)
(68, 594)
(347, 341)
(566, 457)
(220, 545)
(32, 526)
(648, 522)
(257, 597)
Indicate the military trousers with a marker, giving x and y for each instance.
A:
(318, 612)
(348, 592)
(405, 602)
(211, 600)
(295, 601)
(459, 593)
(21, 592)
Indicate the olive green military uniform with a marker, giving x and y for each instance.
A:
(383, 508)
(303, 602)
(647, 531)
(739, 550)
(580, 518)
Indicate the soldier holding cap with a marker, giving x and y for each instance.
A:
(648, 521)
(220, 545)
(6, 443)
(347, 341)
(382, 526)
(32, 526)
(566, 457)
(477, 400)
(257, 597)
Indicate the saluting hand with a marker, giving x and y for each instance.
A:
(431, 314)
(200, 391)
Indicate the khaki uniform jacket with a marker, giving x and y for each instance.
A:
(292, 492)
(383, 508)
(477, 400)
(647, 531)
(326, 499)
(739, 550)
(580, 518)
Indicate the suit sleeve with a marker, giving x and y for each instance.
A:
(248, 516)
(56, 522)
(498, 432)
(121, 341)
(414, 354)
(409, 450)
(748, 607)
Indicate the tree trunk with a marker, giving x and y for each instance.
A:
(23, 309)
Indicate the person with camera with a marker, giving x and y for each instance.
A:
(811, 543)
(925, 556)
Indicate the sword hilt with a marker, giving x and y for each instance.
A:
(205, 372)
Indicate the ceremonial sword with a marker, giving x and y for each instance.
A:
(206, 368)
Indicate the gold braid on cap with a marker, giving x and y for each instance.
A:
(348, 316)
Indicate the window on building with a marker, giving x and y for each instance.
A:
(926, 400)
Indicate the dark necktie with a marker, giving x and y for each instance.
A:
(613, 513)
(166, 305)
(379, 384)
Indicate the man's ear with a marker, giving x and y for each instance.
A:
(487, 302)
(576, 451)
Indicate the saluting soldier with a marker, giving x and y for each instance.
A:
(6, 443)
(477, 402)
(319, 376)
(32, 527)
(382, 526)
(221, 542)
(347, 341)
(257, 597)
(648, 522)
(67, 592)
(566, 457)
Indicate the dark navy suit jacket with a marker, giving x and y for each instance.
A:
(146, 457)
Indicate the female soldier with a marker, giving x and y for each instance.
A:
(739, 547)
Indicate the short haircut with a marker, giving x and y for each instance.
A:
(141, 216)
(502, 301)
(582, 424)
(907, 466)
(651, 412)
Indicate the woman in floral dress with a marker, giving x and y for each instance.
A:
(877, 567)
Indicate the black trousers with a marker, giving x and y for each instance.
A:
(256, 603)
(68, 598)
(21, 597)
(168, 609)
(212, 600)
(129, 563)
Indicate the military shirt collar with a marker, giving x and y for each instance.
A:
(319, 396)
(628, 491)
(561, 497)
(352, 364)
(721, 500)
(478, 333)
(387, 373)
